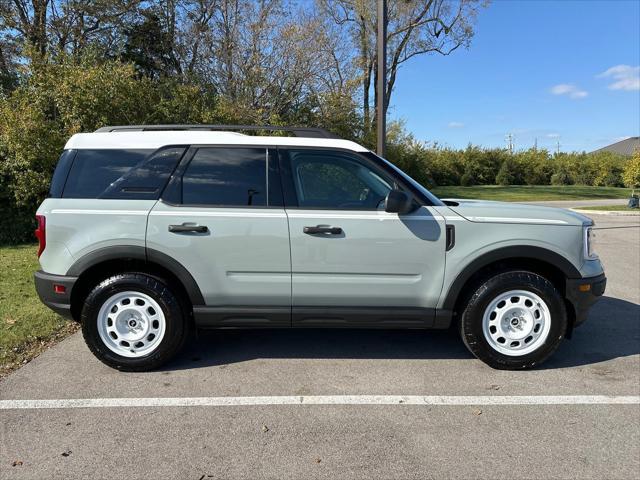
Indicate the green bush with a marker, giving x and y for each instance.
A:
(510, 173)
(631, 174)
(56, 100)
(16, 223)
(446, 166)
(409, 155)
(608, 168)
(536, 166)
(561, 177)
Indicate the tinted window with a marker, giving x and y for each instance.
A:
(146, 180)
(60, 173)
(332, 180)
(227, 177)
(93, 171)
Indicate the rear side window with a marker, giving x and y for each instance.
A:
(146, 180)
(116, 174)
(93, 171)
(232, 177)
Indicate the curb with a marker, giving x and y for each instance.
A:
(607, 212)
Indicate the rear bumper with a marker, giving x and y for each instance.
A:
(583, 293)
(58, 302)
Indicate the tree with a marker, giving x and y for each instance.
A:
(631, 174)
(149, 45)
(415, 28)
(52, 26)
(80, 95)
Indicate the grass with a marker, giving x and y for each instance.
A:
(527, 193)
(613, 208)
(27, 327)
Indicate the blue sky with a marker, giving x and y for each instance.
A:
(534, 69)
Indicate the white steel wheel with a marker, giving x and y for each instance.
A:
(131, 324)
(516, 323)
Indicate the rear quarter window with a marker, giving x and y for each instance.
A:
(93, 171)
(121, 174)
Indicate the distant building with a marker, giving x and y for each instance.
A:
(623, 147)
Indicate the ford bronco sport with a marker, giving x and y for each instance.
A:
(150, 231)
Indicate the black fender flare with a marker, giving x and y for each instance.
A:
(147, 255)
(526, 252)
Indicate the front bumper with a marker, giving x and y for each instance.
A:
(58, 302)
(583, 293)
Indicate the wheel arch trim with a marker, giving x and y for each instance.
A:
(523, 252)
(147, 255)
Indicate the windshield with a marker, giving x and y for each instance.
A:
(434, 200)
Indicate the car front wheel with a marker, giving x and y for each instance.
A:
(514, 320)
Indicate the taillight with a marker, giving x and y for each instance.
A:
(41, 234)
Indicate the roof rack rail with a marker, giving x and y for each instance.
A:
(308, 132)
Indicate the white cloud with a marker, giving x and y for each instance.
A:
(552, 135)
(625, 77)
(455, 125)
(570, 90)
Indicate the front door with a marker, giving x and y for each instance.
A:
(223, 219)
(353, 264)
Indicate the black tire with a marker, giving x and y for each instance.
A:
(470, 322)
(177, 327)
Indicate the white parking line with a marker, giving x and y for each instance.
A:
(439, 400)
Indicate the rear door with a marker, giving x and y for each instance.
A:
(353, 264)
(222, 218)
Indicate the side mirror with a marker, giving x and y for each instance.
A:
(398, 202)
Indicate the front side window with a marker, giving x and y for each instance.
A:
(230, 177)
(334, 180)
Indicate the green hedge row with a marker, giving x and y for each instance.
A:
(480, 166)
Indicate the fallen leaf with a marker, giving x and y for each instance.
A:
(477, 411)
(17, 463)
(318, 460)
(265, 429)
(67, 453)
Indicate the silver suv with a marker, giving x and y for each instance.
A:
(150, 231)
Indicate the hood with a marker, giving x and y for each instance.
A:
(485, 211)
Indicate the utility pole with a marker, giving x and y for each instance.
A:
(510, 142)
(535, 145)
(558, 146)
(381, 110)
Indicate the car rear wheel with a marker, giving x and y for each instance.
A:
(134, 322)
(514, 320)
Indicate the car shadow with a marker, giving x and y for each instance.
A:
(611, 331)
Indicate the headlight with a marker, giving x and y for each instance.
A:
(589, 243)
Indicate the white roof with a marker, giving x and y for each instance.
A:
(157, 139)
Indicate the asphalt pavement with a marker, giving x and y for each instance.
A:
(562, 438)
